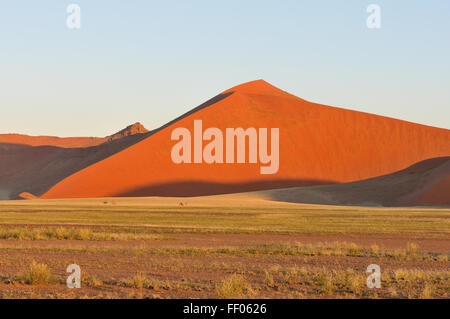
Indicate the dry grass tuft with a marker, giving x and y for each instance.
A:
(235, 286)
(427, 292)
(412, 249)
(268, 279)
(91, 281)
(38, 274)
(375, 249)
(139, 281)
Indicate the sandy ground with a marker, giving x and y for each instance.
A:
(109, 268)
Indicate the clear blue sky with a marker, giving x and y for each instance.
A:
(151, 61)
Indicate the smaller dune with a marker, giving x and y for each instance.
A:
(63, 142)
(29, 165)
(426, 183)
(26, 195)
(71, 142)
(434, 191)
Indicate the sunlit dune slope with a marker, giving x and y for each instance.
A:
(318, 145)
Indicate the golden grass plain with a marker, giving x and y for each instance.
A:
(228, 246)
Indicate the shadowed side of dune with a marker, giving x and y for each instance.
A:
(436, 194)
(202, 106)
(433, 189)
(202, 188)
(422, 184)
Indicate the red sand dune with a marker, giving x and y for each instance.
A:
(318, 145)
